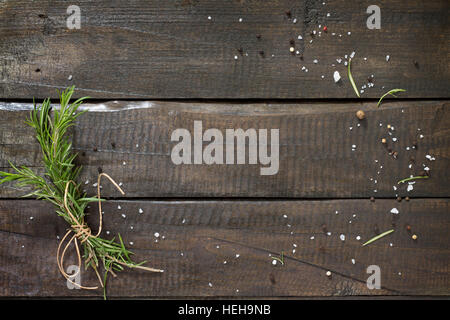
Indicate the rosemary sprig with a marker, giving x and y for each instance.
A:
(57, 181)
(350, 77)
(412, 178)
(390, 92)
(378, 237)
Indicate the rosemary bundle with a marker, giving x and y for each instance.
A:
(58, 186)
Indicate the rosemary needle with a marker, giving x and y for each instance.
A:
(412, 178)
(378, 237)
(350, 77)
(390, 92)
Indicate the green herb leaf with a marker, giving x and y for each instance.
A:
(350, 77)
(412, 178)
(390, 92)
(378, 237)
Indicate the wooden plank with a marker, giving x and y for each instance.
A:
(170, 49)
(316, 156)
(199, 236)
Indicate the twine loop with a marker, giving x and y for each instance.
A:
(82, 232)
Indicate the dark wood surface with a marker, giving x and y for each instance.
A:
(253, 229)
(169, 49)
(316, 157)
(154, 66)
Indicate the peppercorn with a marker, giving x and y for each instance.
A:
(360, 114)
(258, 36)
(407, 198)
(261, 53)
(399, 199)
(408, 227)
(288, 14)
(372, 199)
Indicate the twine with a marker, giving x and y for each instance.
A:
(83, 233)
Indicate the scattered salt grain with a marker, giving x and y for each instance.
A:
(342, 237)
(387, 58)
(336, 76)
(124, 215)
(141, 211)
(156, 234)
(394, 210)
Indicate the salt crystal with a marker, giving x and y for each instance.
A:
(156, 234)
(141, 211)
(387, 58)
(336, 76)
(394, 210)
(342, 237)
(409, 188)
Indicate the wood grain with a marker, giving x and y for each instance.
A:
(197, 237)
(170, 49)
(316, 149)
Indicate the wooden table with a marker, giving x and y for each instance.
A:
(151, 67)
